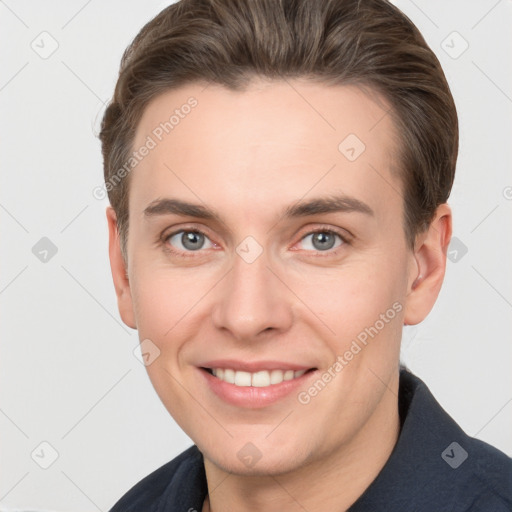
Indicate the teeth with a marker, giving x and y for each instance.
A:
(242, 379)
(229, 376)
(259, 379)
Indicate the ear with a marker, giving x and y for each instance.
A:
(429, 265)
(119, 271)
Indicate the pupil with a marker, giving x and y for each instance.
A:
(323, 241)
(192, 241)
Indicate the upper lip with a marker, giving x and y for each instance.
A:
(253, 366)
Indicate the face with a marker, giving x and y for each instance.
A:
(266, 246)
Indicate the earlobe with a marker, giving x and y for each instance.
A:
(430, 265)
(119, 271)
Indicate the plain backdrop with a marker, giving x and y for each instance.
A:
(68, 374)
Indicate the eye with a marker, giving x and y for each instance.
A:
(323, 240)
(187, 241)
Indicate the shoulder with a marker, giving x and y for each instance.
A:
(471, 475)
(184, 472)
(488, 478)
(435, 465)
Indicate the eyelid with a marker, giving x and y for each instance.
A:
(345, 235)
(170, 231)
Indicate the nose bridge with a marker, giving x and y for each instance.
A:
(251, 299)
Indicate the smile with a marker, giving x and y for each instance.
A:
(259, 379)
(250, 386)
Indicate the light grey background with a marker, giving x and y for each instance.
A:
(68, 375)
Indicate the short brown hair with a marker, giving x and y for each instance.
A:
(228, 42)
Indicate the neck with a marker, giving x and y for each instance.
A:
(331, 483)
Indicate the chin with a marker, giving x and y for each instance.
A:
(256, 459)
(260, 468)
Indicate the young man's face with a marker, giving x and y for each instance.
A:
(258, 290)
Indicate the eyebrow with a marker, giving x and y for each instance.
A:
(175, 206)
(330, 204)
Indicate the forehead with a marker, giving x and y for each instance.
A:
(273, 143)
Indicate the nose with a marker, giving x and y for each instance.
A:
(252, 301)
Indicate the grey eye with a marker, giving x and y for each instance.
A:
(190, 241)
(322, 241)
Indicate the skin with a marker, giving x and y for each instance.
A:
(249, 155)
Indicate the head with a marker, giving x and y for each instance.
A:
(264, 123)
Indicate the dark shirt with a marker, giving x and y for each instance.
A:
(434, 467)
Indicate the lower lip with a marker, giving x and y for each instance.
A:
(251, 397)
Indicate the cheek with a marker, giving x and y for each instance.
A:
(167, 301)
(352, 297)
(154, 305)
(158, 301)
(167, 306)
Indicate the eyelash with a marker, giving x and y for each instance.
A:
(187, 254)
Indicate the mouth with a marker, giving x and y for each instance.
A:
(255, 389)
(258, 379)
